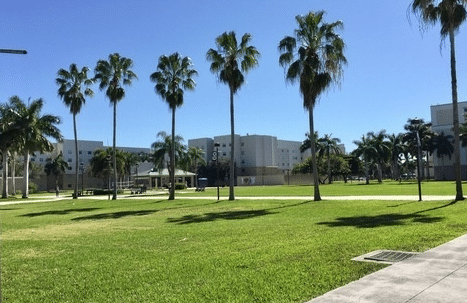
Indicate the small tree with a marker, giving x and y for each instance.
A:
(56, 166)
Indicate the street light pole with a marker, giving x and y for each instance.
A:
(81, 167)
(13, 51)
(417, 122)
(216, 158)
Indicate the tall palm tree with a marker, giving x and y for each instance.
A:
(163, 147)
(381, 148)
(35, 131)
(112, 76)
(364, 149)
(314, 57)
(451, 14)
(328, 146)
(56, 166)
(73, 94)
(173, 75)
(229, 62)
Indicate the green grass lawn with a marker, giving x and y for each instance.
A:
(155, 250)
(355, 188)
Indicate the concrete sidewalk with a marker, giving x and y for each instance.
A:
(437, 275)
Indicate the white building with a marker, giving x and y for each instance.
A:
(85, 153)
(259, 158)
(442, 122)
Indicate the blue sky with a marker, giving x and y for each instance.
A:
(394, 70)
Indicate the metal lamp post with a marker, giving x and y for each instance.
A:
(417, 122)
(108, 158)
(215, 157)
(81, 168)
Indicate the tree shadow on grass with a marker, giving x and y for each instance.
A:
(225, 215)
(230, 215)
(387, 219)
(60, 212)
(380, 220)
(116, 215)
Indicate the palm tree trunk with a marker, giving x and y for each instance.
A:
(114, 152)
(172, 159)
(329, 168)
(455, 121)
(26, 175)
(232, 147)
(395, 169)
(380, 172)
(57, 190)
(13, 173)
(75, 196)
(367, 177)
(317, 196)
(5, 174)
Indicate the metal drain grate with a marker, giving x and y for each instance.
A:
(390, 256)
(385, 256)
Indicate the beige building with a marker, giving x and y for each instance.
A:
(260, 159)
(442, 122)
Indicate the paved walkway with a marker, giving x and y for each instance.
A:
(438, 275)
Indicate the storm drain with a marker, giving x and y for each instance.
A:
(385, 256)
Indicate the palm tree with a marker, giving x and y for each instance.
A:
(194, 157)
(364, 149)
(229, 62)
(451, 14)
(71, 91)
(56, 166)
(414, 127)
(163, 147)
(173, 74)
(328, 146)
(315, 58)
(396, 146)
(101, 163)
(381, 148)
(35, 131)
(9, 136)
(442, 143)
(113, 75)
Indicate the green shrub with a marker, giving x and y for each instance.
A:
(180, 186)
(32, 187)
(100, 192)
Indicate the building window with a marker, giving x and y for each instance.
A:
(224, 154)
(69, 160)
(80, 152)
(33, 159)
(41, 159)
(223, 145)
(89, 152)
(70, 152)
(242, 144)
